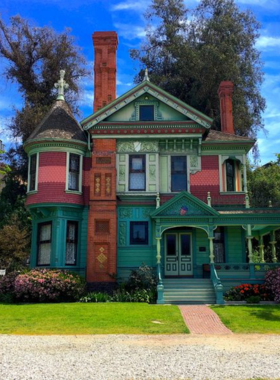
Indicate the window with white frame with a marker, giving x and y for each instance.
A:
(137, 172)
(231, 175)
(44, 241)
(179, 173)
(74, 172)
(33, 172)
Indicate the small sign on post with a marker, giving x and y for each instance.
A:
(2, 272)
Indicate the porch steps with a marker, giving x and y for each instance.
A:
(189, 291)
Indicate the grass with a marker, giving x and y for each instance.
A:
(260, 319)
(90, 318)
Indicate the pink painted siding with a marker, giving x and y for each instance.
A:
(51, 181)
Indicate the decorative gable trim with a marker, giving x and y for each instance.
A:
(184, 205)
(161, 95)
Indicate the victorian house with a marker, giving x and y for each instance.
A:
(145, 179)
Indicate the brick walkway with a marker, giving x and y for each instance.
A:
(201, 319)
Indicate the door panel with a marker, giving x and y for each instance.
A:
(171, 254)
(178, 254)
(185, 255)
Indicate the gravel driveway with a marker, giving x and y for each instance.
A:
(126, 357)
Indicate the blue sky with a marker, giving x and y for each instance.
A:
(126, 18)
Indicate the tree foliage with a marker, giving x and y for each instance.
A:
(264, 184)
(189, 53)
(33, 57)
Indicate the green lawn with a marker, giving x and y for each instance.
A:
(90, 318)
(261, 319)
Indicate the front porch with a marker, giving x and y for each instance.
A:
(195, 241)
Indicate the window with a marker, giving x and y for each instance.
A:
(71, 243)
(32, 183)
(74, 172)
(230, 175)
(219, 245)
(139, 233)
(178, 173)
(137, 173)
(146, 113)
(44, 241)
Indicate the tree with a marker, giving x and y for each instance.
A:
(264, 184)
(14, 248)
(189, 58)
(34, 56)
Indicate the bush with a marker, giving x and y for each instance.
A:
(7, 287)
(42, 285)
(272, 282)
(142, 278)
(246, 291)
(122, 295)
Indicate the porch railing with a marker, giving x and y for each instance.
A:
(246, 270)
(217, 285)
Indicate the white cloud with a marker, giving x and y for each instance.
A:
(267, 42)
(86, 98)
(131, 5)
(130, 31)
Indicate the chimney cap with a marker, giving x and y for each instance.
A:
(105, 38)
(225, 86)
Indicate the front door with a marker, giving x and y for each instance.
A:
(178, 254)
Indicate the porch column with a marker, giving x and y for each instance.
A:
(160, 288)
(249, 240)
(211, 249)
(261, 249)
(273, 247)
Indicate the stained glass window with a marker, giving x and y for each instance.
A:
(44, 243)
(71, 243)
(137, 173)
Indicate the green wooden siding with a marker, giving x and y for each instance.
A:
(132, 256)
(235, 244)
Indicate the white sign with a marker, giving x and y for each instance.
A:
(2, 272)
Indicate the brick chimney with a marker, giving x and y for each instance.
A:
(105, 68)
(225, 95)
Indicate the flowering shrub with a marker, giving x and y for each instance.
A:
(272, 282)
(245, 292)
(48, 285)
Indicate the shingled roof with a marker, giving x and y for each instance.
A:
(221, 136)
(59, 123)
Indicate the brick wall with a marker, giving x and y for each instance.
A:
(102, 222)
(208, 180)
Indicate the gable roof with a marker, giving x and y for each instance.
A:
(59, 123)
(142, 88)
(193, 206)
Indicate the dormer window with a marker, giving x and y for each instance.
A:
(146, 113)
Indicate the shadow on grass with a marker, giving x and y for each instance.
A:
(265, 313)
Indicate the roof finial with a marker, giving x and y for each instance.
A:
(61, 85)
(146, 77)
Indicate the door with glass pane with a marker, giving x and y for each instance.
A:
(178, 254)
